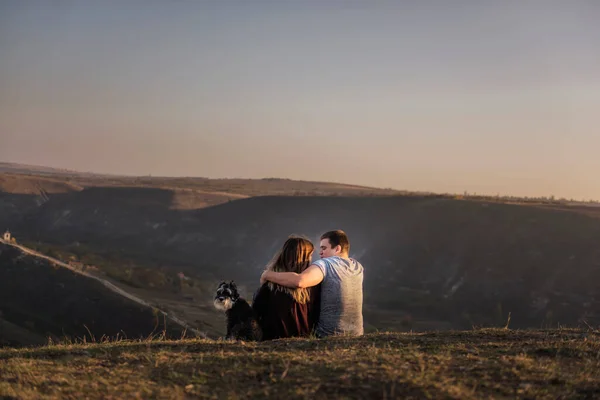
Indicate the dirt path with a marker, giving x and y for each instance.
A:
(106, 283)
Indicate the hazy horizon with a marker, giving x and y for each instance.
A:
(487, 97)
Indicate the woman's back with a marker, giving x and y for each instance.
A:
(280, 316)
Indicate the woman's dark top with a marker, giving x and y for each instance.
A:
(280, 316)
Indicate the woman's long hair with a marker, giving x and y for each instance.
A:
(295, 256)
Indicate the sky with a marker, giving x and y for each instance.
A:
(490, 97)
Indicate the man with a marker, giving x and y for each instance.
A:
(341, 289)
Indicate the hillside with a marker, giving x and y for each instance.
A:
(432, 262)
(39, 301)
(452, 365)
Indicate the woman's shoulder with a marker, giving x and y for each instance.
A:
(261, 292)
(272, 293)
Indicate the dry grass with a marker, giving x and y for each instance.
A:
(474, 364)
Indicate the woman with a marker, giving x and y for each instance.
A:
(285, 312)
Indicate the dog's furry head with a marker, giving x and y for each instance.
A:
(226, 296)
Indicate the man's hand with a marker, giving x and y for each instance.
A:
(263, 277)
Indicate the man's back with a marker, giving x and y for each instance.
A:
(341, 297)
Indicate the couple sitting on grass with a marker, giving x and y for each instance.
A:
(300, 298)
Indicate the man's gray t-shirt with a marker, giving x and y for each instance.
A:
(341, 297)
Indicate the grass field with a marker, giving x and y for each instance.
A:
(492, 363)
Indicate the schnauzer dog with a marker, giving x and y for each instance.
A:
(241, 320)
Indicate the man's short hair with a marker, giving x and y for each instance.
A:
(337, 238)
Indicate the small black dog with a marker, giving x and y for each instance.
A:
(241, 320)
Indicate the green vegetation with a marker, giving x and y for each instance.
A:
(455, 365)
(120, 269)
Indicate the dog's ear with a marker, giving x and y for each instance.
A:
(232, 283)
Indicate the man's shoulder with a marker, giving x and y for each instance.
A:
(337, 260)
(339, 263)
(356, 262)
(332, 260)
(327, 262)
(347, 261)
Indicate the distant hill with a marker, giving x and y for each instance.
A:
(235, 186)
(40, 301)
(35, 185)
(30, 186)
(17, 168)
